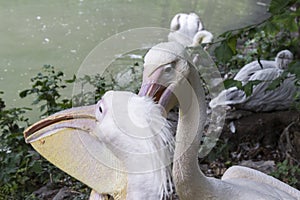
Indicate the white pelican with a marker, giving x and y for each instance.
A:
(59, 148)
(135, 164)
(261, 99)
(188, 30)
(185, 24)
(282, 59)
(167, 71)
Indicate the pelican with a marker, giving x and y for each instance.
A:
(185, 24)
(169, 77)
(138, 146)
(188, 30)
(282, 59)
(261, 99)
(95, 174)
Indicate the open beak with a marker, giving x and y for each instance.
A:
(67, 140)
(153, 90)
(162, 93)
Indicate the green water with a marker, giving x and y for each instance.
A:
(62, 33)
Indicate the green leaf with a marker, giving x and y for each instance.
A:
(294, 68)
(60, 73)
(225, 34)
(23, 93)
(276, 6)
(271, 28)
(291, 25)
(71, 80)
(36, 167)
(42, 107)
(231, 42)
(232, 83)
(275, 83)
(223, 52)
(248, 88)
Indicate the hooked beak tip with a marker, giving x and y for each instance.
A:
(153, 90)
(80, 118)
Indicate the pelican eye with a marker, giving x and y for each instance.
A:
(100, 109)
(168, 68)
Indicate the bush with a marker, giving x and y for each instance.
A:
(23, 170)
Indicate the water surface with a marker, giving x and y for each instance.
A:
(62, 33)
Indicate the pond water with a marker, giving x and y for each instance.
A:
(62, 33)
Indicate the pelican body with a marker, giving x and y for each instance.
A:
(73, 132)
(261, 99)
(281, 62)
(121, 146)
(169, 76)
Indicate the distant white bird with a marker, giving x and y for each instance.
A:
(135, 164)
(261, 99)
(282, 59)
(168, 72)
(188, 30)
(185, 24)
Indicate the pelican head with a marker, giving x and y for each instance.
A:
(189, 24)
(283, 59)
(67, 139)
(165, 67)
(184, 27)
(202, 37)
(121, 146)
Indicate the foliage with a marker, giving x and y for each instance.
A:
(281, 30)
(19, 163)
(221, 151)
(47, 88)
(288, 173)
(235, 48)
(265, 39)
(99, 84)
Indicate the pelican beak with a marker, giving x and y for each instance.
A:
(153, 90)
(67, 140)
(81, 119)
(162, 93)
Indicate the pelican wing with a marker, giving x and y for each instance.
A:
(248, 70)
(236, 173)
(263, 99)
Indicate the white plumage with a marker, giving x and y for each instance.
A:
(261, 99)
(133, 130)
(188, 30)
(239, 183)
(282, 59)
